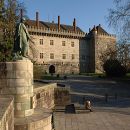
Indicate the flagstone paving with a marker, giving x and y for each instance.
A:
(99, 119)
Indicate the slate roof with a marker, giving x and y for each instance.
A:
(99, 30)
(52, 25)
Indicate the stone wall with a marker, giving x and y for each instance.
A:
(6, 113)
(99, 44)
(84, 55)
(62, 96)
(67, 65)
(60, 68)
(44, 95)
(104, 44)
(49, 95)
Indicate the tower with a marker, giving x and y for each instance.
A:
(99, 41)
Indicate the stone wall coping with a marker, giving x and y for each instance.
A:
(40, 86)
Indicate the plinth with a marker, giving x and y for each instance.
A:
(16, 78)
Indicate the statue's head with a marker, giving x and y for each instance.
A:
(23, 20)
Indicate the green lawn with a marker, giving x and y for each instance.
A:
(54, 77)
(100, 75)
(94, 74)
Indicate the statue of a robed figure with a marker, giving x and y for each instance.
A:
(21, 40)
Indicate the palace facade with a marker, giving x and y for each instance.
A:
(66, 48)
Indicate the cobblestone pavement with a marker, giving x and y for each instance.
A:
(111, 115)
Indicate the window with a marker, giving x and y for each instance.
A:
(72, 44)
(41, 41)
(41, 55)
(63, 43)
(51, 42)
(72, 56)
(63, 56)
(83, 57)
(51, 55)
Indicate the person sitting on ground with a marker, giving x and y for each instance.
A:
(88, 105)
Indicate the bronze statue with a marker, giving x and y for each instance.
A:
(21, 41)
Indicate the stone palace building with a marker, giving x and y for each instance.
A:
(66, 48)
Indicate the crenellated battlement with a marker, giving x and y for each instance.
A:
(107, 35)
(42, 31)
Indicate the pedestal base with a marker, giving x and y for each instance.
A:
(39, 120)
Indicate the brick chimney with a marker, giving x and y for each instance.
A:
(74, 25)
(37, 19)
(58, 23)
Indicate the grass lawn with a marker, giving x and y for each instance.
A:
(54, 77)
(94, 74)
(100, 75)
(103, 75)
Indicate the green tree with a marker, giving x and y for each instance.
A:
(9, 15)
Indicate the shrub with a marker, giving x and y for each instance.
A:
(113, 67)
(57, 75)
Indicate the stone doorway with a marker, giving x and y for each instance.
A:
(52, 69)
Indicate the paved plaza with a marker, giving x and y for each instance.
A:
(92, 121)
(111, 115)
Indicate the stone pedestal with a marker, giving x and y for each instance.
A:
(16, 78)
(39, 120)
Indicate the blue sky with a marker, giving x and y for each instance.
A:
(87, 12)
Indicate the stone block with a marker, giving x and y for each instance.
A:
(16, 82)
(47, 127)
(9, 66)
(26, 90)
(30, 81)
(10, 75)
(21, 98)
(19, 65)
(31, 126)
(12, 90)
(20, 90)
(30, 66)
(29, 112)
(21, 127)
(44, 122)
(19, 113)
(18, 106)
(21, 74)
(10, 82)
(3, 83)
(38, 124)
(31, 90)
(25, 105)
(20, 82)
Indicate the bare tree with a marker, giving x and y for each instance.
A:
(119, 18)
(105, 54)
(123, 54)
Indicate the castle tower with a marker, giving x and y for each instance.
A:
(99, 41)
